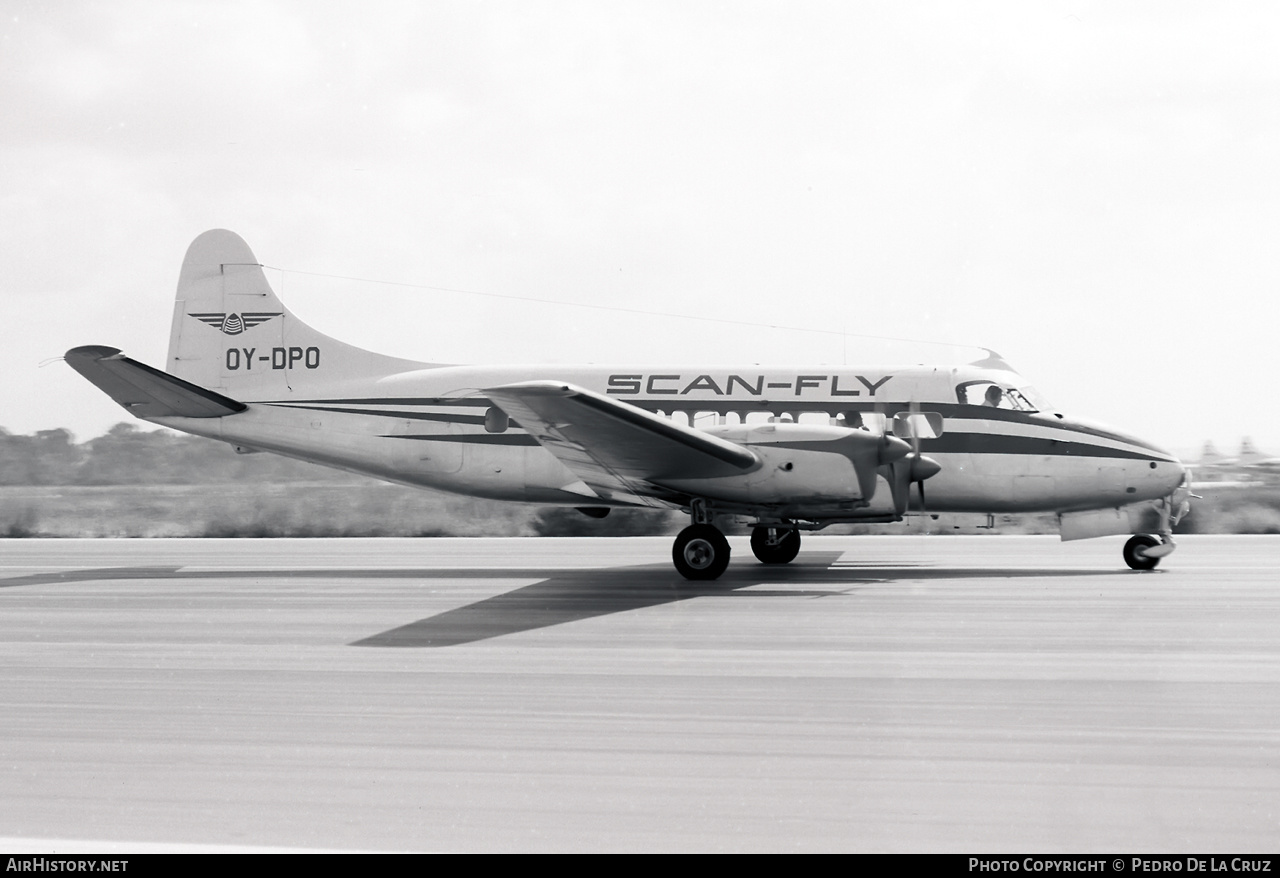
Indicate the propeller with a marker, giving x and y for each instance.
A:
(914, 466)
(872, 453)
(897, 459)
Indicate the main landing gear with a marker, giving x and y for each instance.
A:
(702, 552)
(775, 545)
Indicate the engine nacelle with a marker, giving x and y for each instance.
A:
(800, 464)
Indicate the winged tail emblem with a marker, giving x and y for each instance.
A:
(234, 324)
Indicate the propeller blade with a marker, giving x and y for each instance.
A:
(913, 408)
(900, 484)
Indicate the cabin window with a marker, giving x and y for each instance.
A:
(872, 421)
(917, 425)
(496, 420)
(822, 418)
(681, 418)
(754, 418)
(703, 420)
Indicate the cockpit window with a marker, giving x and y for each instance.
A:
(993, 395)
(1036, 399)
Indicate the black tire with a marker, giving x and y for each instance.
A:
(783, 552)
(700, 552)
(1134, 549)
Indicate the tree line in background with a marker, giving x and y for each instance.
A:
(135, 483)
(126, 455)
(131, 482)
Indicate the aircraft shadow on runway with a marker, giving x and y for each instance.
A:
(573, 594)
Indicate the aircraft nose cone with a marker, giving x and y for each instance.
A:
(1163, 478)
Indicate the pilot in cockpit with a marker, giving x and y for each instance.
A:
(993, 397)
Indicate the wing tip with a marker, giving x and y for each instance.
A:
(94, 352)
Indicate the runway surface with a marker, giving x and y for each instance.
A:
(963, 694)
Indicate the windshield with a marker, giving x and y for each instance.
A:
(1000, 396)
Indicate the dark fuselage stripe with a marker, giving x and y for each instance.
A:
(471, 401)
(952, 411)
(473, 438)
(950, 442)
(448, 418)
(971, 443)
(993, 443)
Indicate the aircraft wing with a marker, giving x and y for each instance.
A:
(147, 392)
(620, 451)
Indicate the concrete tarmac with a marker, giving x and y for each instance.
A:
(960, 694)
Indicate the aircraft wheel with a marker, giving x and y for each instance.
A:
(782, 552)
(1134, 552)
(700, 552)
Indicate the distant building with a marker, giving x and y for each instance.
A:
(1250, 467)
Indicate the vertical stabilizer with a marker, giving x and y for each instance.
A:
(232, 334)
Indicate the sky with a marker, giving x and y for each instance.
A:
(1090, 189)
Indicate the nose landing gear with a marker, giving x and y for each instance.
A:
(1136, 549)
(1144, 551)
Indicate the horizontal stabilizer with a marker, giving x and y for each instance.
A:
(147, 392)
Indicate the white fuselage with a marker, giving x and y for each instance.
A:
(433, 427)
